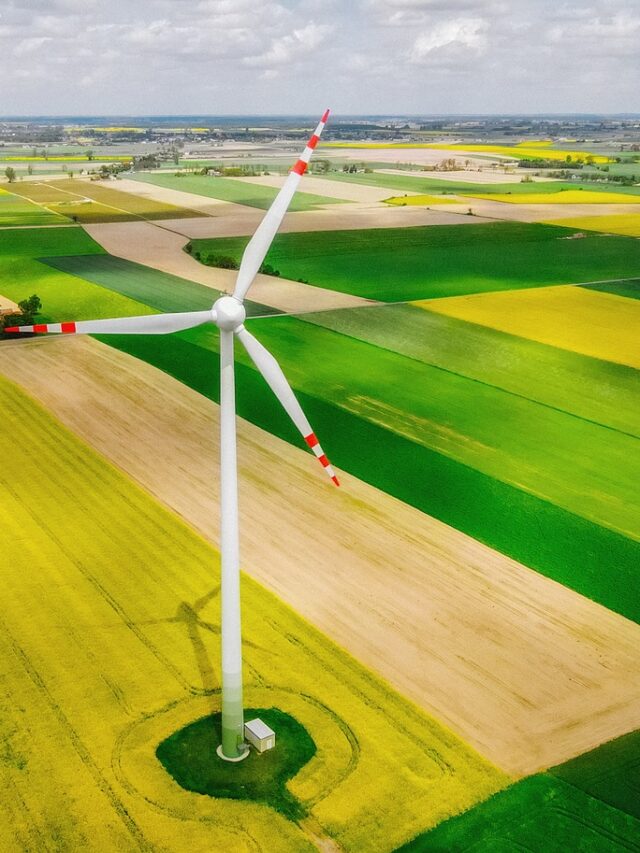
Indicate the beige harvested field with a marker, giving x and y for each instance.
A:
(402, 156)
(472, 176)
(350, 217)
(7, 306)
(524, 669)
(145, 243)
(483, 207)
(179, 198)
(332, 189)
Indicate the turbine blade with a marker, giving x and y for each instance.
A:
(258, 246)
(150, 324)
(276, 380)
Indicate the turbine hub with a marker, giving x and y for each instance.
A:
(229, 313)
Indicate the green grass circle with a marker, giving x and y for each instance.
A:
(189, 756)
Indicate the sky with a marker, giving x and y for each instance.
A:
(292, 57)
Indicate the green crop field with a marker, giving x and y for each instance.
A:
(629, 288)
(63, 296)
(530, 448)
(588, 388)
(610, 773)
(449, 439)
(589, 804)
(570, 462)
(227, 189)
(392, 264)
(36, 242)
(108, 631)
(158, 290)
(535, 531)
(424, 184)
(16, 211)
(540, 809)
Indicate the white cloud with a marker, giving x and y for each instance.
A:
(371, 56)
(467, 33)
(30, 45)
(301, 43)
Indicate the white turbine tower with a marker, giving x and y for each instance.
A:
(228, 315)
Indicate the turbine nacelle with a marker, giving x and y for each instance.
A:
(228, 313)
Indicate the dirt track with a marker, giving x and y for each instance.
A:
(524, 669)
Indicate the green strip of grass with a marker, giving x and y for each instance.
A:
(159, 290)
(228, 189)
(589, 388)
(629, 288)
(587, 557)
(540, 813)
(189, 756)
(398, 264)
(610, 773)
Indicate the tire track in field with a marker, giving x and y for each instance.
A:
(79, 746)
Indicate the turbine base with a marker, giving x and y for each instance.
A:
(235, 760)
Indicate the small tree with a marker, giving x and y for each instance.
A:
(30, 169)
(29, 308)
(10, 172)
(89, 155)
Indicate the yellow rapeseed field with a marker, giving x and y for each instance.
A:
(109, 638)
(535, 143)
(626, 224)
(574, 318)
(420, 200)
(562, 197)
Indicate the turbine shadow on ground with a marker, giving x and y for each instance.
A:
(189, 615)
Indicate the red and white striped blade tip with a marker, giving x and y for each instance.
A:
(314, 444)
(41, 329)
(301, 165)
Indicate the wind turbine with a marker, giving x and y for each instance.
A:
(228, 314)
